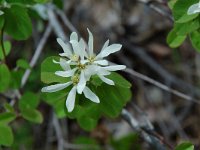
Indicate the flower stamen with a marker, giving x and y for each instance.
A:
(75, 79)
(91, 59)
(74, 57)
(81, 66)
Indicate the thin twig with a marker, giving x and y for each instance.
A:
(61, 142)
(59, 135)
(150, 137)
(140, 52)
(36, 54)
(160, 85)
(66, 21)
(56, 25)
(160, 11)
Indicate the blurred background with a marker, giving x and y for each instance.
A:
(141, 26)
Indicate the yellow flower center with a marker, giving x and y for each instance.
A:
(75, 57)
(75, 79)
(91, 59)
(81, 66)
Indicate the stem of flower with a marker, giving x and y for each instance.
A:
(2, 45)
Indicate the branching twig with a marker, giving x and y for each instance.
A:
(36, 54)
(56, 25)
(66, 21)
(150, 136)
(64, 145)
(151, 4)
(140, 52)
(160, 85)
(58, 133)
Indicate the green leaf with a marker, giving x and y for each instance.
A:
(60, 108)
(186, 28)
(4, 77)
(7, 117)
(171, 3)
(119, 80)
(174, 40)
(58, 3)
(21, 1)
(16, 78)
(9, 108)
(48, 69)
(2, 21)
(87, 123)
(186, 18)
(87, 141)
(52, 98)
(29, 100)
(86, 112)
(42, 1)
(180, 10)
(95, 80)
(185, 146)
(32, 115)
(7, 47)
(23, 136)
(194, 38)
(112, 99)
(6, 135)
(22, 63)
(17, 22)
(128, 142)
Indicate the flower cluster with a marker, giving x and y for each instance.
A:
(193, 9)
(80, 64)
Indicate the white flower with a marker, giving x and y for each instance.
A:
(80, 65)
(105, 51)
(78, 50)
(99, 65)
(193, 9)
(70, 101)
(76, 58)
(105, 70)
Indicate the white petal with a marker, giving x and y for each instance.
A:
(90, 43)
(82, 83)
(106, 80)
(114, 67)
(89, 71)
(56, 87)
(70, 102)
(56, 62)
(82, 48)
(66, 47)
(76, 47)
(64, 64)
(102, 71)
(194, 9)
(105, 45)
(84, 61)
(109, 50)
(101, 62)
(74, 36)
(67, 73)
(65, 55)
(90, 95)
(70, 62)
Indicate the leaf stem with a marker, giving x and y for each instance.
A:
(2, 45)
